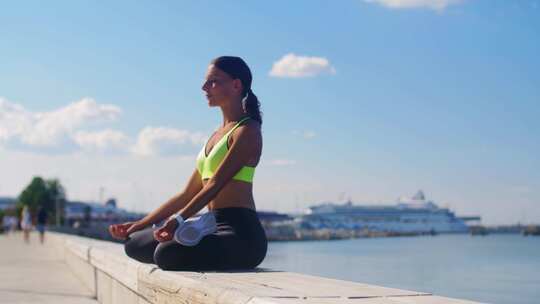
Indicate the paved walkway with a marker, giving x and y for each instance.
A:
(32, 273)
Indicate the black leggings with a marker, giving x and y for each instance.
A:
(239, 243)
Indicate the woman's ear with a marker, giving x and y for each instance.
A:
(237, 85)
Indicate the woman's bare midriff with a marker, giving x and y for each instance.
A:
(234, 194)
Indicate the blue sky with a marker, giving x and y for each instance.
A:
(370, 100)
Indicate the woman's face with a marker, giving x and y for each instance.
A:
(220, 88)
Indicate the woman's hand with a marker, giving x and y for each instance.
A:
(166, 232)
(122, 231)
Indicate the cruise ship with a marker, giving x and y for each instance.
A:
(409, 215)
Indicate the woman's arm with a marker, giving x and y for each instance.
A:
(175, 203)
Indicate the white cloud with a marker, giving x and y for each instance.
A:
(437, 5)
(294, 66)
(106, 140)
(66, 125)
(162, 140)
(305, 134)
(282, 162)
(521, 189)
(46, 129)
(14, 120)
(309, 134)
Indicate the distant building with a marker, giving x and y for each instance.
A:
(270, 216)
(7, 203)
(82, 211)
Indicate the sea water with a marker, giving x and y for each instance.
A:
(495, 268)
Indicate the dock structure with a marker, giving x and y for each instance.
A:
(72, 269)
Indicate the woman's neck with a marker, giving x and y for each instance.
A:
(232, 114)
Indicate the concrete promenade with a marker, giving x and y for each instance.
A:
(32, 273)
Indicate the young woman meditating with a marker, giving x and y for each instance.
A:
(222, 181)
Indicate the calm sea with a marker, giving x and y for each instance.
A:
(500, 269)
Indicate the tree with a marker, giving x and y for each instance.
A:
(46, 193)
(57, 194)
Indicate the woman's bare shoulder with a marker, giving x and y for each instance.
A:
(252, 123)
(250, 130)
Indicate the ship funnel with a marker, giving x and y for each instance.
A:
(419, 196)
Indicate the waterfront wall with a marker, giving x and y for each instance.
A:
(115, 278)
(100, 230)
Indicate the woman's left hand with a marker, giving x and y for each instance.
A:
(166, 232)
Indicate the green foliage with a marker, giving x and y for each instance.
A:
(41, 192)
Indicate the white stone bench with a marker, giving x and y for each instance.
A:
(113, 277)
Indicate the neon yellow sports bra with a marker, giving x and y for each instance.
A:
(208, 164)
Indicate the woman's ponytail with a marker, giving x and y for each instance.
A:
(252, 106)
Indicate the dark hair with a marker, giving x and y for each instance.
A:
(237, 68)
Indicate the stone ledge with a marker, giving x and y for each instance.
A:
(113, 277)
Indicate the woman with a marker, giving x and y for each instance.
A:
(41, 223)
(26, 223)
(222, 181)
